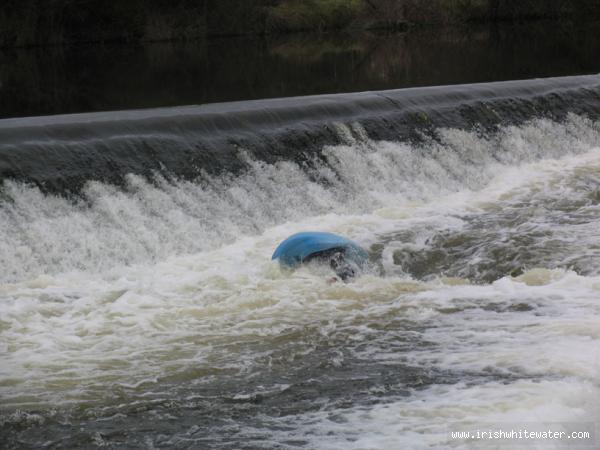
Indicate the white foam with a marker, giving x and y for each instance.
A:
(146, 223)
(426, 419)
(130, 288)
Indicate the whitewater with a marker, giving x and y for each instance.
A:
(148, 313)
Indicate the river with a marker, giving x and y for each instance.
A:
(140, 308)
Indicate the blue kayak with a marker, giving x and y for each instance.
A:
(298, 247)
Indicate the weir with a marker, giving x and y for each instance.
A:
(60, 153)
(133, 305)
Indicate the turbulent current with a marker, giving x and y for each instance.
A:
(146, 313)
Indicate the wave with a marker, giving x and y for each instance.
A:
(146, 220)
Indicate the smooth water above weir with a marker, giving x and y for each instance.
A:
(139, 306)
(59, 80)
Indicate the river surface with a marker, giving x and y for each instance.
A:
(55, 80)
(147, 313)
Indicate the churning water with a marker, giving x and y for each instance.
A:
(148, 314)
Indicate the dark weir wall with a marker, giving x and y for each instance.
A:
(61, 153)
(41, 22)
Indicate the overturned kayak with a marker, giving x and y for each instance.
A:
(300, 247)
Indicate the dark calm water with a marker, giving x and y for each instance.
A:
(112, 77)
